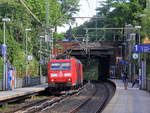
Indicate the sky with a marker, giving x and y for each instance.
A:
(87, 9)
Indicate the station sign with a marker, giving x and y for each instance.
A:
(135, 56)
(139, 48)
(29, 57)
(42, 61)
(3, 49)
(124, 62)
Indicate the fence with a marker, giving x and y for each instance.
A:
(21, 82)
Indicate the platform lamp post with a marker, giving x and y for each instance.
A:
(132, 36)
(41, 58)
(26, 55)
(139, 58)
(4, 51)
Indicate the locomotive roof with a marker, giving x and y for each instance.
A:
(65, 60)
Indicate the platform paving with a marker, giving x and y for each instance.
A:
(7, 95)
(131, 100)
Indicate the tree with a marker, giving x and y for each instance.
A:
(59, 13)
(145, 23)
(22, 19)
(117, 13)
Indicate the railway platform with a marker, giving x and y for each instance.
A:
(131, 100)
(20, 93)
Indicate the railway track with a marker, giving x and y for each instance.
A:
(42, 104)
(93, 100)
(106, 95)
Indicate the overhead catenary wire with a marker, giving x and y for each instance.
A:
(63, 16)
(90, 6)
(96, 21)
(88, 3)
(34, 16)
(47, 26)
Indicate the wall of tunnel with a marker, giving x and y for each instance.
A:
(103, 68)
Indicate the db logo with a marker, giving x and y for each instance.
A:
(61, 73)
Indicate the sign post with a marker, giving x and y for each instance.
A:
(135, 56)
(143, 74)
(142, 48)
(4, 52)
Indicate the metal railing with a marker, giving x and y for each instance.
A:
(21, 82)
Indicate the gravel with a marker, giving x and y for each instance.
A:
(72, 102)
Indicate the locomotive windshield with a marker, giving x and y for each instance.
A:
(61, 66)
(55, 66)
(66, 66)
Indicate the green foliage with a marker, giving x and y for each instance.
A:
(143, 3)
(120, 12)
(58, 36)
(59, 13)
(116, 13)
(39, 9)
(3, 108)
(90, 69)
(33, 68)
(68, 8)
(20, 20)
(145, 23)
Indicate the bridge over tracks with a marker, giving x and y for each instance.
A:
(105, 52)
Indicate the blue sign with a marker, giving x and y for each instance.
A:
(124, 62)
(146, 48)
(9, 76)
(137, 48)
(3, 49)
(142, 48)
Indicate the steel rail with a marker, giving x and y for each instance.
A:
(104, 103)
(82, 104)
(109, 96)
(105, 100)
(47, 103)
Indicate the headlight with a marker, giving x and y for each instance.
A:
(52, 80)
(69, 79)
(67, 74)
(53, 75)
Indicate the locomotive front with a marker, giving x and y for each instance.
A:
(59, 73)
(64, 73)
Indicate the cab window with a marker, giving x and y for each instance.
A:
(66, 66)
(55, 66)
(61, 66)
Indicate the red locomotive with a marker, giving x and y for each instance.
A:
(65, 73)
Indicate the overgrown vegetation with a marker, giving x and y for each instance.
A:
(116, 14)
(3, 108)
(90, 69)
(59, 13)
(148, 66)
